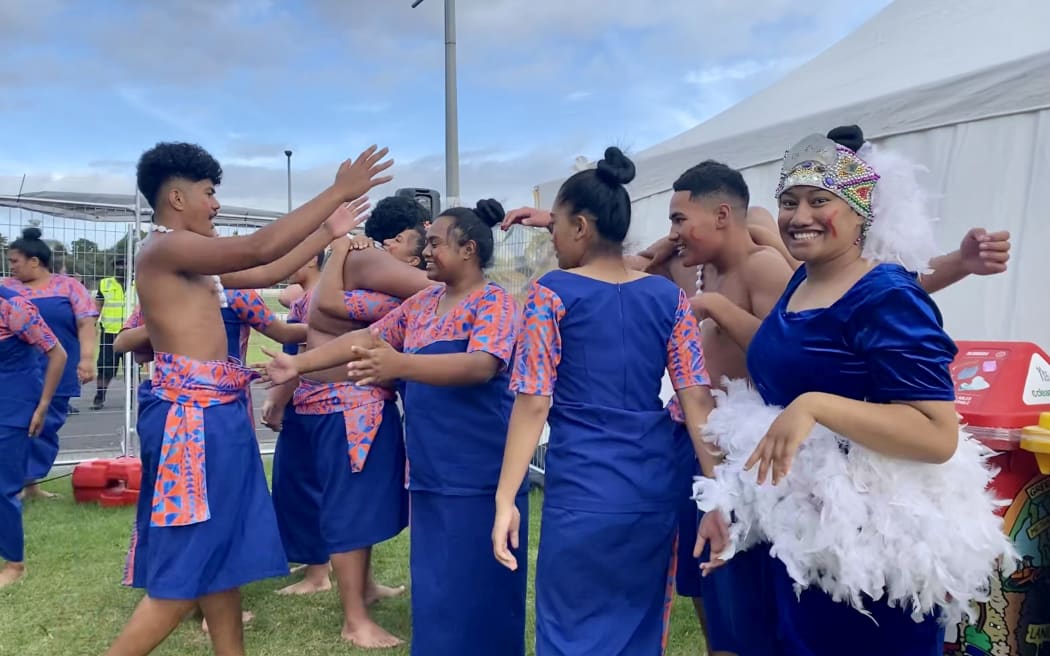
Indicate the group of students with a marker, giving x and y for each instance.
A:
(822, 327)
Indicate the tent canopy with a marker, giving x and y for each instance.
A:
(120, 208)
(917, 65)
(959, 86)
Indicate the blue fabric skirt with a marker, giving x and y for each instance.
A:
(463, 601)
(297, 493)
(359, 509)
(43, 449)
(815, 625)
(602, 582)
(238, 545)
(14, 450)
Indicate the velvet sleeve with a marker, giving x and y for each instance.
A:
(899, 334)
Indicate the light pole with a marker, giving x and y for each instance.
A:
(288, 154)
(451, 106)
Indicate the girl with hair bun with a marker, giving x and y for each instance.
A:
(449, 350)
(68, 310)
(878, 518)
(596, 341)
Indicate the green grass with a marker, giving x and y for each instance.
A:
(71, 601)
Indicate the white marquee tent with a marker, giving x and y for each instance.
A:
(961, 86)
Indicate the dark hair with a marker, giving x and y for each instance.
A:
(476, 225)
(421, 243)
(31, 245)
(321, 258)
(710, 177)
(392, 216)
(167, 161)
(850, 136)
(600, 193)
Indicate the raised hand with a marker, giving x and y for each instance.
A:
(985, 253)
(347, 217)
(356, 178)
(527, 216)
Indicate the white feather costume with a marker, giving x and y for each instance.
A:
(846, 519)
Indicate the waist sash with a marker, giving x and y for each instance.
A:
(362, 409)
(180, 494)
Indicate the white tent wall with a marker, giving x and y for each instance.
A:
(960, 86)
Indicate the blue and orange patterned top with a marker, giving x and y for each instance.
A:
(600, 351)
(61, 302)
(455, 434)
(23, 336)
(245, 310)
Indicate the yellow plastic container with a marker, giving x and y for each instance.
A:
(1036, 439)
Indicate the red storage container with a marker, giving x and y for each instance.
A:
(109, 482)
(1001, 388)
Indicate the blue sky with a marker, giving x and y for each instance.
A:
(85, 86)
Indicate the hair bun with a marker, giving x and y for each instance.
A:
(616, 168)
(32, 234)
(490, 211)
(850, 136)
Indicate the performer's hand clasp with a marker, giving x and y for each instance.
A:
(777, 449)
(375, 365)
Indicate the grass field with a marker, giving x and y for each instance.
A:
(71, 601)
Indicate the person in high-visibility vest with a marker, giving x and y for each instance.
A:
(110, 297)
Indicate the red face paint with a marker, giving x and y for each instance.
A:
(693, 236)
(831, 225)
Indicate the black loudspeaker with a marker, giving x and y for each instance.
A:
(428, 198)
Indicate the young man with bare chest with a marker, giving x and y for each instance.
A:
(205, 525)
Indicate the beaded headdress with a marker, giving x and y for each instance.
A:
(817, 161)
(881, 186)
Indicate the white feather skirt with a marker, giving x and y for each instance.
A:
(858, 523)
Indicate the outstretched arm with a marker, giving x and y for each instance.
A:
(285, 333)
(328, 294)
(380, 271)
(189, 252)
(343, 220)
(980, 253)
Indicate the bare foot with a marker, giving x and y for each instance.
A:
(307, 586)
(246, 616)
(34, 491)
(370, 635)
(11, 573)
(376, 593)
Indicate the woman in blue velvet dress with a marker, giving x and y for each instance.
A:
(856, 345)
(596, 341)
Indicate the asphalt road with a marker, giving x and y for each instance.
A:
(98, 433)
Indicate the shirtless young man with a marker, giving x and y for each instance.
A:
(203, 529)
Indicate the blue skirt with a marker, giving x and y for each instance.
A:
(740, 606)
(297, 493)
(238, 545)
(359, 509)
(463, 601)
(815, 625)
(602, 582)
(43, 449)
(14, 449)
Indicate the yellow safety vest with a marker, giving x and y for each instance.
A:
(112, 315)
